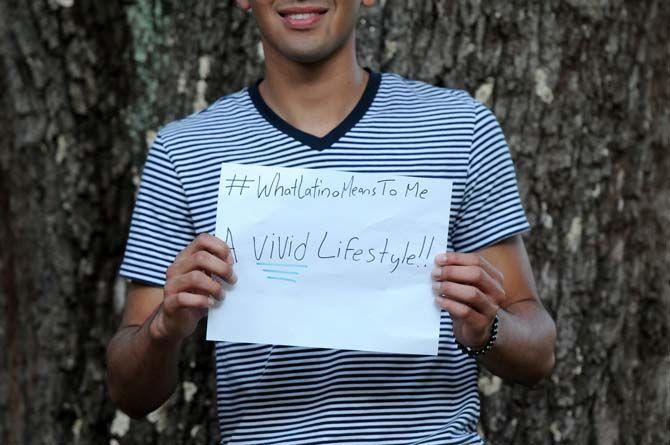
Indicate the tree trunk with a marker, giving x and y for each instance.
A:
(581, 89)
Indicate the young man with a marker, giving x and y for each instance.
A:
(317, 108)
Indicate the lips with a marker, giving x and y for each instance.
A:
(302, 17)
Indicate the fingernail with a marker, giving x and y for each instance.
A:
(441, 258)
(437, 287)
(233, 278)
(436, 272)
(222, 295)
(212, 301)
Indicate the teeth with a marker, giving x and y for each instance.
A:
(302, 16)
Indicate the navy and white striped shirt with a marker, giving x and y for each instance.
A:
(274, 394)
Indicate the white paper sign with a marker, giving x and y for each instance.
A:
(331, 259)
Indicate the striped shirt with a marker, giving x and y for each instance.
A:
(275, 394)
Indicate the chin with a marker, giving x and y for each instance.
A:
(308, 58)
(307, 55)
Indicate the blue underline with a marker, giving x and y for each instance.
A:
(282, 279)
(281, 271)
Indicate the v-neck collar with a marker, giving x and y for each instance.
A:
(315, 142)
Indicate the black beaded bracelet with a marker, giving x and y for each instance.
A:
(484, 349)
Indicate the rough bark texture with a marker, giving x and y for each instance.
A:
(582, 91)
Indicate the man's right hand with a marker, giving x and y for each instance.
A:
(190, 288)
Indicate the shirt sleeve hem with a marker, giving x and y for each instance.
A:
(512, 231)
(143, 280)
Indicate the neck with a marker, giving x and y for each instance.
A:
(313, 97)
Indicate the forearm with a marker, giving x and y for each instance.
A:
(524, 348)
(141, 369)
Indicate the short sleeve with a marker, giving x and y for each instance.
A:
(491, 208)
(161, 224)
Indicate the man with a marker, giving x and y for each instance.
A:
(317, 108)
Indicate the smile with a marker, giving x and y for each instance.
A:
(303, 17)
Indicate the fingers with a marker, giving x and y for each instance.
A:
(189, 300)
(462, 312)
(209, 243)
(205, 261)
(206, 253)
(469, 296)
(473, 275)
(195, 281)
(469, 288)
(469, 259)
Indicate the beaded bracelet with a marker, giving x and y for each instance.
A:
(484, 349)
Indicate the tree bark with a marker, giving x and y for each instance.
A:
(581, 89)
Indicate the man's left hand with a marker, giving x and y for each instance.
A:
(471, 290)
